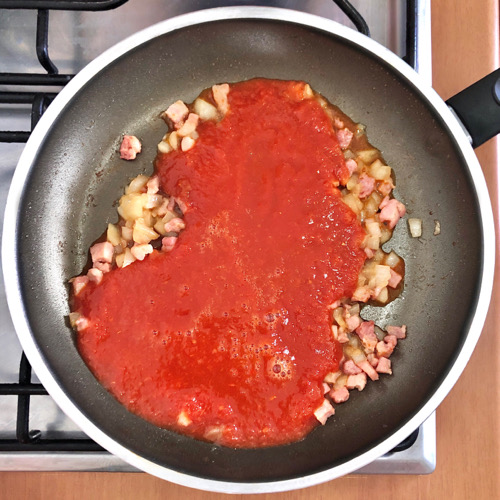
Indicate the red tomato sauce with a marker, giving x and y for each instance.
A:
(232, 329)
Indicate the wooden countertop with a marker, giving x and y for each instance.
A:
(465, 48)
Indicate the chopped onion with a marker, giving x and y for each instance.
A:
(127, 233)
(415, 227)
(353, 202)
(386, 234)
(338, 315)
(113, 235)
(371, 241)
(379, 333)
(332, 377)
(164, 147)
(354, 341)
(131, 205)
(392, 259)
(205, 110)
(360, 130)
(354, 310)
(379, 171)
(73, 318)
(357, 355)
(437, 227)
(368, 155)
(383, 296)
(137, 184)
(340, 382)
(128, 258)
(143, 233)
(352, 182)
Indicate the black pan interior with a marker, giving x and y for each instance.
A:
(77, 177)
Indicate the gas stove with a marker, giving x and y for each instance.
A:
(43, 44)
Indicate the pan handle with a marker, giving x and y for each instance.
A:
(478, 107)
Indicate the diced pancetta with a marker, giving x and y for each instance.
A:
(81, 323)
(391, 211)
(362, 294)
(176, 224)
(163, 208)
(168, 243)
(220, 93)
(333, 305)
(351, 165)
(392, 340)
(189, 126)
(177, 113)
(343, 337)
(395, 279)
(326, 388)
(350, 368)
(384, 350)
(102, 252)
(367, 185)
(356, 381)
(372, 359)
(129, 148)
(153, 185)
(344, 137)
(369, 253)
(183, 206)
(339, 395)
(384, 366)
(366, 333)
(79, 283)
(368, 369)
(95, 275)
(353, 322)
(324, 411)
(104, 267)
(171, 204)
(398, 331)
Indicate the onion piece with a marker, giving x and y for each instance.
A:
(415, 227)
(392, 259)
(137, 184)
(437, 227)
(357, 355)
(113, 235)
(368, 155)
(379, 171)
(332, 377)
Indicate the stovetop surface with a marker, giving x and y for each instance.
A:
(76, 38)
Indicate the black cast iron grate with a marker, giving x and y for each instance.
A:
(29, 440)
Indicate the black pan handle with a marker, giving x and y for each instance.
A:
(478, 107)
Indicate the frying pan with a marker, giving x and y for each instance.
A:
(70, 176)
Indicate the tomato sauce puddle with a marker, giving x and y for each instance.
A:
(231, 329)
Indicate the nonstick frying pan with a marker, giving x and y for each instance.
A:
(70, 176)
